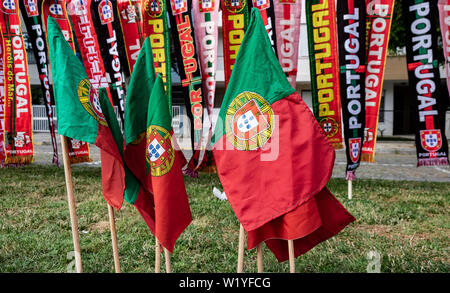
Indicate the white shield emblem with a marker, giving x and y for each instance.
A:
(247, 122)
(431, 140)
(155, 150)
(106, 11)
(56, 9)
(179, 4)
(206, 4)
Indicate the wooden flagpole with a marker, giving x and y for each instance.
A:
(240, 265)
(112, 226)
(259, 258)
(167, 258)
(72, 205)
(350, 195)
(157, 256)
(291, 256)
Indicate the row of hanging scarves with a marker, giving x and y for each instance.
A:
(113, 50)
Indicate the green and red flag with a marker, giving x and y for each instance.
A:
(142, 194)
(135, 126)
(80, 114)
(163, 164)
(273, 158)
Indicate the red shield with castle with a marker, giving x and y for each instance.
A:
(431, 139)
(206, 5)
(105, 10)
(354, 145)
(261, 4)
(31, 8)
(234, 5)
(249, 121)
(178, 6)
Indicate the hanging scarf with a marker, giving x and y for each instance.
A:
(235, 18)
(444, 16)
(105, 20)
(424, 82)
(33, 23)
(189, 70)
(2, 107)
(267, 10)
(81, 17)
(351, 21)
(206, 15)
(78, 150)
(287, 27)
(324, 67)
(18, 119)
(378, 15)
(131, 24)
(155, 26)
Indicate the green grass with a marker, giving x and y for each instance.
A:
(406, 222)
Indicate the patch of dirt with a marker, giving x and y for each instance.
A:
(101, 226)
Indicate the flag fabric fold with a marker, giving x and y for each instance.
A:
(80, 114)
(274, 183)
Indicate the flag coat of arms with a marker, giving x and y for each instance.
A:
(274, 163)
(80, 114)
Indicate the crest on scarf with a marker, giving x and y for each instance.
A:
(261, 4)
(249, 121)
(178, 6)
(31, 8)
(154, 8)
(235, 6)
(105, 10)
(206, 5)
(56, 10)
(8, 7)
(354, 145)
(431, 139)
(89, 99)
(159, 154)
(330, 126)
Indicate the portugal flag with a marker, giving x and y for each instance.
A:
(80, 113)
(172, 212)
(163, 206)
(273, 158)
